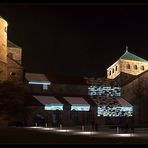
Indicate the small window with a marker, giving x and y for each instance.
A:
(116, 68)
(10, 55)
(113, 70)
(45, 87)
(142, 67)
(135, 67)
(110, 73)
(128, 66)
(5, 29)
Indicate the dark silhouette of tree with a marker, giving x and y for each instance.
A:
(12, 99)
(140, 99)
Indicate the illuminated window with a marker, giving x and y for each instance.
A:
(80, 107)
(128, 66)
(116, 68)
(135, 67)
(53, 107)
(142, 67)
(113, 70)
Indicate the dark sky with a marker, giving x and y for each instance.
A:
(76, 40)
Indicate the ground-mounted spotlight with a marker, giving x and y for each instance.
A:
(123, 135)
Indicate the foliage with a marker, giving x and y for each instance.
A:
(12, 98)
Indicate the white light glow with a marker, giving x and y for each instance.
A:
(63, 130)
(123, 135)
(86, 133)
(80, 107)
(47, 128)
(53, 107)
(36, 127)
(42, 83)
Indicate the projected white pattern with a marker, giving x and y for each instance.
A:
(95, 90)
(115, 111)
(82, 107)
(53, 107)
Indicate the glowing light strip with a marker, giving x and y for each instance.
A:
(80, 107)
(43, 83)
(53, 107)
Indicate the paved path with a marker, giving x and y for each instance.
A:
(103, 132)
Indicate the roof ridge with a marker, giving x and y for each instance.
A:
(11, 44)
(130, 56)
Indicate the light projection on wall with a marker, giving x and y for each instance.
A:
(95, 90)
(80, 107)
(115, 111)
(53, 107)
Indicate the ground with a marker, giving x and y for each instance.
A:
(31, 136)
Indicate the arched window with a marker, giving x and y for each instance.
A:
(142, 67)
(5, 29)
(128, 66)
(12, 73)
(113, 70)
(135, 67)
(116, 68)
(10, 55)
(110, 73)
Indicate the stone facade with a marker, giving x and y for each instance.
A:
(135, 92)
(131, 72)
(3, 40)
(128, 66)
(10, 56)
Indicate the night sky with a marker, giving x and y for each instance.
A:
(76, 40)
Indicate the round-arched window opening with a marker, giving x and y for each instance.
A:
(128, 66)
(10, 55)
(135, 67)
(12, 73)
(142, 67)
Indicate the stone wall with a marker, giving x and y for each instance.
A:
(3, 40)
(16, 54)
(132, 70)
(114, 70)
(14, 71)
(3, 71)
(122, 66)
(136, 92)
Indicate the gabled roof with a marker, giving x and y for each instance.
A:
(12, 45)
(75, 100)
(47, 100)
(36, 77)
(129, 56)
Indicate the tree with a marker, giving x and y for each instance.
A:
(12, 99)
(140, 99)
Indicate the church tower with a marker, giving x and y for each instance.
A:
(10, 56)
(129, 64)
(3, 40)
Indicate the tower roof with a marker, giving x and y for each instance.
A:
(130, 56)
(12, 45)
